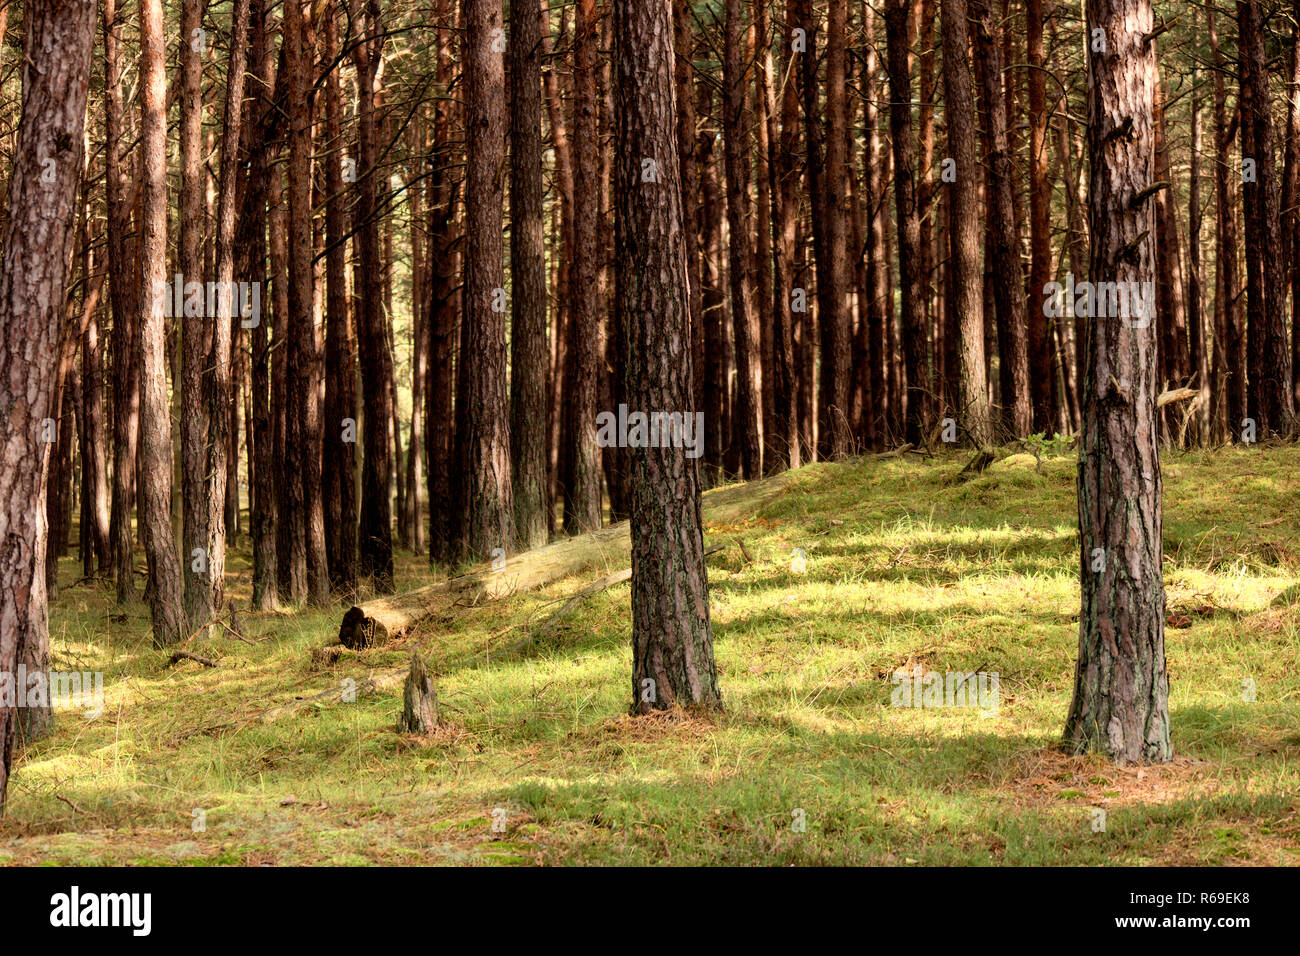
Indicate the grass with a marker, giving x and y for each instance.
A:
(904, 567)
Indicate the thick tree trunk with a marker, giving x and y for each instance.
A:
(485, 507)
(1121, 688)
(529, 353)
(672, 640)
(973, 411)
(165, 589)
(55, 77)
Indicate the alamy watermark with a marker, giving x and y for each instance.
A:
(653, 430)
(83, 690)
(932, 689)
(181, 299)
(1134, 302)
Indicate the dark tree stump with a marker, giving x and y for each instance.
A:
(419, 701)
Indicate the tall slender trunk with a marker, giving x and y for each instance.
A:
(263, 505)
(217, 376)
(1008, 286)
(443, 305)
(973, 409)
(485, 506)
(165, 589)
(123, 300)
(1121, 686)
(376, 531)
(338, 426)
(1270, 400)
(529, 353)
(1040, 227)
(898, 34)
(1229, 385)
(672, 640)
(747, 419)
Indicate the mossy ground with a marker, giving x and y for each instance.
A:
(904, 567)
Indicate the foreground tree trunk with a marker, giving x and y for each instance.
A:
(485, 509)
(1121, 687)
(967, 322)
(155, 418)
(56, 74)
(672, 640)
(529, 354)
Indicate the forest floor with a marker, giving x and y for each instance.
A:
(905, 566)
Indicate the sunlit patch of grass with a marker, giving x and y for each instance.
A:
(809, 763)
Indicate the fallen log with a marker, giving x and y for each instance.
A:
(377, 622)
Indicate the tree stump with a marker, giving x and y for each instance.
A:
(419, 701)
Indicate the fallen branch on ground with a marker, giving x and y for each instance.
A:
(376, 622)
(178, 656)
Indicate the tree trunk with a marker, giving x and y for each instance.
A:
(263, 505)
(747, 419)
(338, 430)
(1008, 286)
(529, 353)
(1121, 687)
(973, 410)
(580, 469)
(1270, 398)
(376, 531)
(55, 77)
(898, 34)
(1040, 227)
(443, 306)
(1229, 386)
(485, 508)
(165, 591)
(217, 377)
(194, 324)
(123, 298)
(672, 639)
